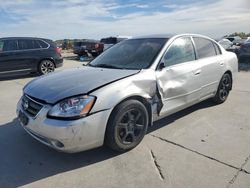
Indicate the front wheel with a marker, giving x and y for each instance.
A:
(127, 126)
(46, 66)
(224, 88)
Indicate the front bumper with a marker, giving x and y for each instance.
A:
(67, 136)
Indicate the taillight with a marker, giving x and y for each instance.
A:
(59, 51)
(97, 45)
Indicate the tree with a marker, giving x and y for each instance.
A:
(240, 34)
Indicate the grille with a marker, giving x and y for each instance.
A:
(31, 106)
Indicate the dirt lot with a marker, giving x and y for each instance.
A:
(206, 145)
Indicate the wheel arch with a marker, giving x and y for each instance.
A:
(141, 99)
(231, 76)
(47, 58)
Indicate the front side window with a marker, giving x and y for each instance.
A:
(204, 47)
(9, 45)
(1, 45)
(180, 51)
(130, 54)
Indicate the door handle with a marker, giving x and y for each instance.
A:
(221, 63)
(197, 72)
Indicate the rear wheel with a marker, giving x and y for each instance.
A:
(127, 126)
(223, 89)
(46, 66)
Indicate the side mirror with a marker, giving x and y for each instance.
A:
(161, 66)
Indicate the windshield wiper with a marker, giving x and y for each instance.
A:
(105, 66)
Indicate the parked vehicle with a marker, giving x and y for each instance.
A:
(229, 46)
(110, 41)
(234, 39)
(225, 43)
(244, 53)
(247, 40)
(120, 93)
(82, 48)
(26, 54)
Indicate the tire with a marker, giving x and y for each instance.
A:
(127, 126)
(223, 89)
(46, 66)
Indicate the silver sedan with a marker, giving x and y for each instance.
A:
(118, 95)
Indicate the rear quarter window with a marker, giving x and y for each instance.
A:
(204, 47)
(36, 44)
(43, 44)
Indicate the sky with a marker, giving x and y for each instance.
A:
(95, 19)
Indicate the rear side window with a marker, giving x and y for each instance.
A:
(9, 45)
(25, 44)
(43, 44)
(180, 51)
(204, 47)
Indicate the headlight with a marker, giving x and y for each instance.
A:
(73, 108)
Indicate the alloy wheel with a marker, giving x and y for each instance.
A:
(131, 126)
(224, 87)
(47, 67)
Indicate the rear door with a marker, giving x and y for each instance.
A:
(28, 49)
(179, 82)
(212, 63)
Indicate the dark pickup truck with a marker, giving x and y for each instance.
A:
(82, 48)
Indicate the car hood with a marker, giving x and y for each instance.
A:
(54, 87)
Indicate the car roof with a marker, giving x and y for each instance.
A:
(155, 36)
(168, 36)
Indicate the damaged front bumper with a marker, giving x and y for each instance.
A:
(63, 135)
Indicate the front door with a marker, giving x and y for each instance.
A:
(9, 57)
(179, 81)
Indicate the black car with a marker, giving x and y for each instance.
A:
(244, 53)
(82, 48)
(26, 54)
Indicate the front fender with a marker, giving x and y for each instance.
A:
(142, 84)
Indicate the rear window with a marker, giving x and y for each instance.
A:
(111, 40)
(77, 44)
(204, 47)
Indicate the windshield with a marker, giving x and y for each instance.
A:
(130, 54)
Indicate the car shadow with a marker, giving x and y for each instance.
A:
(172, 118)
(74, 57)
(18, 76)
(24, 160)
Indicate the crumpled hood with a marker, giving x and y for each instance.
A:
(57, 86)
